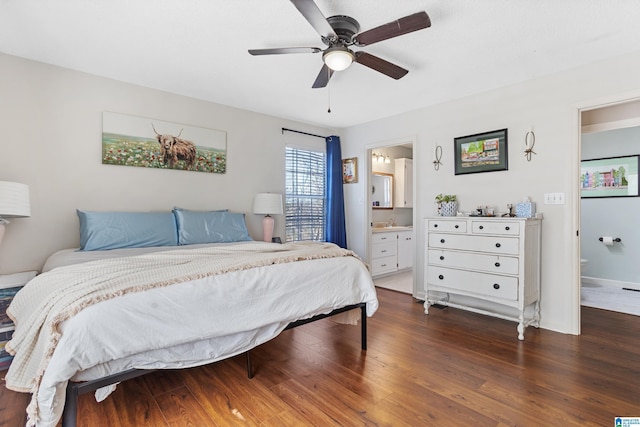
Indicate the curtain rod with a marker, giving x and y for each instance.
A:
(304, 133)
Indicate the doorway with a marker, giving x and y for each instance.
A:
(390, 237)
(608, 273)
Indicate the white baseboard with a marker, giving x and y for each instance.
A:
(609, 283)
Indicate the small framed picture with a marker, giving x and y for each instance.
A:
(482, 152)
(350, 170)
(609, 177)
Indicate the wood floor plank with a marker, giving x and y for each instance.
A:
(181, 409)
(9, 402)
(228, 400)
(450, 367)
(131, 402)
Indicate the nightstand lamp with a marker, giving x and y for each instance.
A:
(14, 203)
(267, 204)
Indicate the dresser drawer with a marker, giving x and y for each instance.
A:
(468, 282)
(383, 237)
(380, 250)
(454, 226)
(474, 261)
(498, 245)
(383, 265)
(493, 227)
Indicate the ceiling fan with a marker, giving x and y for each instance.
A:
(340, 32)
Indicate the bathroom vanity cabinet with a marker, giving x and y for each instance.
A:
(391, 251)
(495, 260)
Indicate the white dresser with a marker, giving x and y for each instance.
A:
(491, 259)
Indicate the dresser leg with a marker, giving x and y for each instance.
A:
(521, 326)
(426, 306)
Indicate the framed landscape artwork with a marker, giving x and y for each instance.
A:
(609, 177)
(482, 152)
(151, 143)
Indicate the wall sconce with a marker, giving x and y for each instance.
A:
(14, 203)
(438, 155)
(529, 142)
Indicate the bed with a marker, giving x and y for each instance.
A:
(181, 306)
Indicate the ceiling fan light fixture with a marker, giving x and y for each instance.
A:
(338, 58)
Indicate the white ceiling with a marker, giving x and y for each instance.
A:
(198, 48)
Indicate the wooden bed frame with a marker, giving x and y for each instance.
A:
(75, 389)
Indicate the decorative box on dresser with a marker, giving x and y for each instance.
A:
(488, 258)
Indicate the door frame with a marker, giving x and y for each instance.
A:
(368, 214)
(589, 105)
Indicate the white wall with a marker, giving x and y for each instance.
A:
(51, 122)
(550, 105)
(612, 216)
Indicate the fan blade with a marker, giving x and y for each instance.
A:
(282, 50)
(323, 77)
(401, 26)
(312, 13)
(380, 65)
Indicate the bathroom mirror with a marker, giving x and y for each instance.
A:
(382, 190)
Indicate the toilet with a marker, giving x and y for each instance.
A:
(583, 263)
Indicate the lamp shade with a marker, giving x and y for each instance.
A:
(14, 200)
(267, 204)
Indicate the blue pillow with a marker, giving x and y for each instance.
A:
(210, 227)
(114, 230)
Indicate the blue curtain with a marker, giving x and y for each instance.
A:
(335, 229)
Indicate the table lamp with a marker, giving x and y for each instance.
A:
(14, 203)
(267, 204)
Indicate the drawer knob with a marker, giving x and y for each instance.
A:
(507, 228)
(435, 225)
(481, 227)
(441, 277)
(383, 265)
(497, 264)
(441, 240)
(496, 286)
(498, 245)
(441, 258)
(456, 226)
(383, 251)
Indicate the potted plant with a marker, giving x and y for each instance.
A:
(447, 204)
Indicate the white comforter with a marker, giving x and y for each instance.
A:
(197, 322)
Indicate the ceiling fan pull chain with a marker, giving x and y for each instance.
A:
(329, 93)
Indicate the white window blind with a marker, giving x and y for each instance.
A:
(304, 194)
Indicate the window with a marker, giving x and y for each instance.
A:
(304, 194)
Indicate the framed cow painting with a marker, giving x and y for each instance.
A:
(151, 143)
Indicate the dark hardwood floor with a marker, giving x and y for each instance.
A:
(449, 368)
